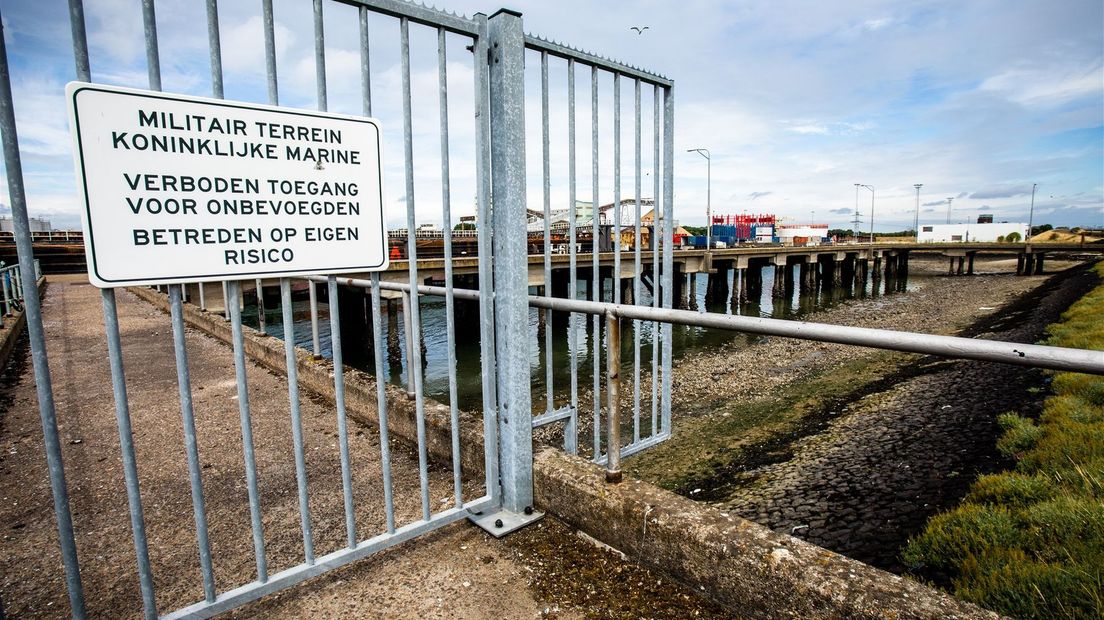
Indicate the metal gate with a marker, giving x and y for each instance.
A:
(499, 48)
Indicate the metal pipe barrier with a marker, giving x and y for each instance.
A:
(954, 347)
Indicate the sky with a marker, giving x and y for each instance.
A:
(796, 101)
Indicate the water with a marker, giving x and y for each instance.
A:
(687, 339)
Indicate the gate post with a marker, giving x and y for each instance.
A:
(506, 60)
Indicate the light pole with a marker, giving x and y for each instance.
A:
(949, 200)
(871, 188)
(858, 216)
(916, 218)
(708, 195)
(1031, 213)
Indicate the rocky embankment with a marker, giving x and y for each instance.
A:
(849, 448)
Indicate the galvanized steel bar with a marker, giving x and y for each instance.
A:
(187, 414)
(484, 241)
(202, 297)
(615, 230)
(377, 326)
(80, 44)
(409, 342)
(563, 413)
(225, 302)
(668, 255)
(507, 96)
(596, 271)
(261, 327)
(659, 237)
(6, 277)
(446, 226)
(613, 377)
(126, 447)
(1035, 356)
(421, 14)
(536, 43)
(636, 271)
(153, 61)
(297, 574)
(234, 287)
(339, 401)
(320, 55)
(381, 397)
(365, 64)
(13, 167)
(214, 44)
(270, 52)
(414, 335)
(296, 419)
(316, 343)
(571, 432)
(547, 187)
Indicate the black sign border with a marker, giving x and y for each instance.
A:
(213, 277)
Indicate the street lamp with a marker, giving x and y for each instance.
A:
(708, 194)
(871, 188)
(916, 218)
(1031, 213)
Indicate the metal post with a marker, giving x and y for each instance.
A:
(407, 329)
(916, 217)
(260, 308)
(316, 343)
(507, 88)
(36, 334)
(7, 295)
(1031, 213)
(613, 377)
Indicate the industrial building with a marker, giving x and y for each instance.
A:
(945, 233)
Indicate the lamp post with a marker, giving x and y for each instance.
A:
(708, 195)
(950, 199)
(871, 188)
(916, 218)
(858, 217)
(1031, 213)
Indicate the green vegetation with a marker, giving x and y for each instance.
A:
(1013, 237)
(1030, 542)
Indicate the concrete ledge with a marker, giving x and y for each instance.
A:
(758, 573)
(317, 376)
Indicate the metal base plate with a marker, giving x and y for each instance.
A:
(498, 522)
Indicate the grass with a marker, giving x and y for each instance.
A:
(1029, 542)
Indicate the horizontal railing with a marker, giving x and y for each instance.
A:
(954, 347)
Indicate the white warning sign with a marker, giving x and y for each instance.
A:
(186, 189)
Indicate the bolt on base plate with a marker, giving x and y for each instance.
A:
(498, 522)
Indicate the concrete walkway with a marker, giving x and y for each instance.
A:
(456, 572)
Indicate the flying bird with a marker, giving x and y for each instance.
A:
(638, 29)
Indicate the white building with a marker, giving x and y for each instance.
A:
(36, 224)
(946, 233)
(802, 234)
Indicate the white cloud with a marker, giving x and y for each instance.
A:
(1047, 86)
